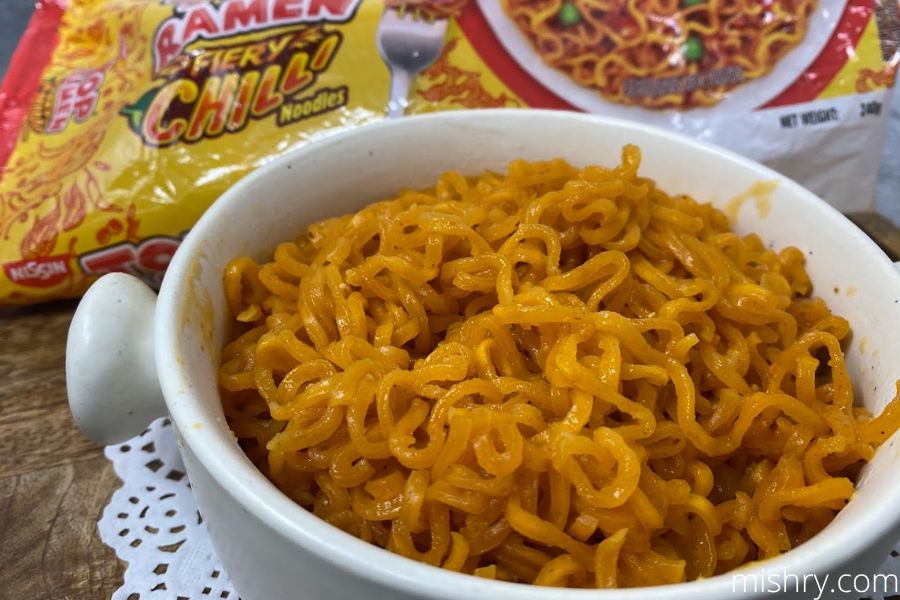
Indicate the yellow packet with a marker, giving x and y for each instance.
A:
(121, 121)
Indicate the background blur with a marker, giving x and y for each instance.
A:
(14, 15)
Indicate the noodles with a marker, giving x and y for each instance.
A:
(557, 376)
(662, 53)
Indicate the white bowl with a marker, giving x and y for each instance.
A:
(272, 548)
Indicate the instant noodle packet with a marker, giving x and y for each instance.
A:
(121, 121)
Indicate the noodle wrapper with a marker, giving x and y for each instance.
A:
(121, 121)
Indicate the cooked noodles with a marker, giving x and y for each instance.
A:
(662, 53)
(557, 376)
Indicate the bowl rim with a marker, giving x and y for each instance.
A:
(256, 494)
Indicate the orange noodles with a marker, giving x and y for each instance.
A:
(662, 53)
(558, 376)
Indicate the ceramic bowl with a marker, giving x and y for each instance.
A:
(133, 356)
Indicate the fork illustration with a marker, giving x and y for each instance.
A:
(408, 43)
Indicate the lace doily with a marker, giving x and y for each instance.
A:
(152, 523)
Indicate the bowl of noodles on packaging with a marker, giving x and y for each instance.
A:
(636, 58)
(526, 354)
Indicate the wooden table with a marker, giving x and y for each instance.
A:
(54, 483)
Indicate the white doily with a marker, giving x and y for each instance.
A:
(152, 523)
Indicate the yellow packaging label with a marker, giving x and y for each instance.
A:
(147, 110)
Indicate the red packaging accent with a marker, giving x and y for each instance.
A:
(25, 68)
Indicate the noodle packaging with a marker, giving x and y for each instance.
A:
(132, 357)
(121, 121)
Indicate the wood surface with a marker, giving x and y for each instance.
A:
(54, 483)
(881, 230)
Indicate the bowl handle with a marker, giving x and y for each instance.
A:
(110, 370)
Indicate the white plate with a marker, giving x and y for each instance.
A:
(746, 96)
